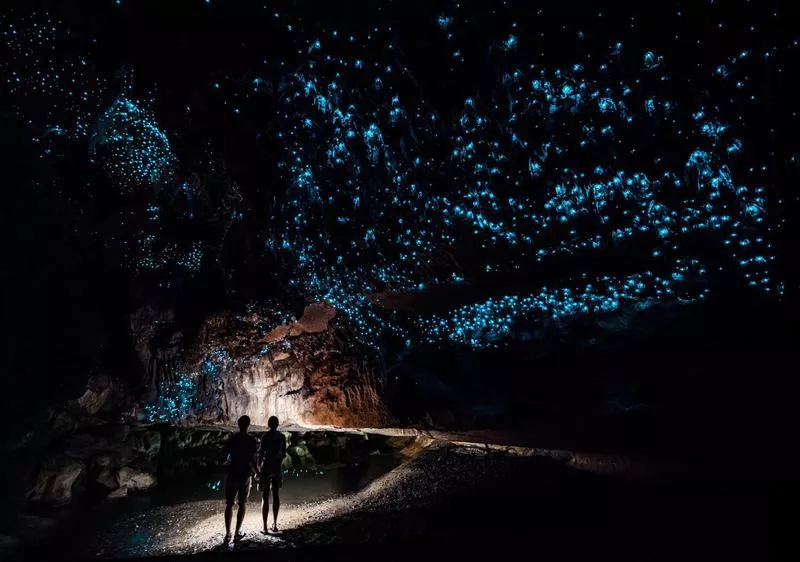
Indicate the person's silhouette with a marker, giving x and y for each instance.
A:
(242, 449)
(270, 459)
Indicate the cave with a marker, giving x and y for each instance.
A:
(514, 280)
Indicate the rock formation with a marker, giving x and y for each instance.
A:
(309, 372)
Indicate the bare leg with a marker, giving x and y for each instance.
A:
(276, 504)
(239, 516)
(228, 517)
(241, 500)
(265, 506)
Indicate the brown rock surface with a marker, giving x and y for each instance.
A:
(308, 373)
(316, 317)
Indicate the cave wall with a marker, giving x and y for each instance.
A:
(259, 389)
(309, 372)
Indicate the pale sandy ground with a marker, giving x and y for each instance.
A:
(470, 499)
(197, 526)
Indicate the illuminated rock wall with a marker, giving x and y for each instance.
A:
(341, 397)
(261, 390)
(309, 372)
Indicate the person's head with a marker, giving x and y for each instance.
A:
(273, 422)
(244, 423)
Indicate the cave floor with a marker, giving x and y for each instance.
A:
(461, 502)
(186, 516)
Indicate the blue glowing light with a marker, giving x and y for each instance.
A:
(377, 185)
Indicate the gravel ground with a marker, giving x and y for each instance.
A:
(196, 526)
(470, 500)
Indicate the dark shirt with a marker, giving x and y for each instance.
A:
(242, 449)
(273, 450)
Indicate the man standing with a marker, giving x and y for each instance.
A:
(242, 449)
(273, 451)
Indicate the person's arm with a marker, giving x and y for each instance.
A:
(283, 446)
(226, 450)
(254, 464)
(262, 450)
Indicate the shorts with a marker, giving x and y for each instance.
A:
(237, 490)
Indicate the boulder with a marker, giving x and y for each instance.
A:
(106, 470)
(277, 334)
(316, 317)
(301, 456)
(59, 478)
(134, 480)
(72, 419)
(65, 423)
(322, 448)
(118, 493)
(103, 395)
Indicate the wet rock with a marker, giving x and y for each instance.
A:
(185, 450)
(146, 443)
(134, 480)
(301, 456)
(59, 478)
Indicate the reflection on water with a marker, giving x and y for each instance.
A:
(299, 484)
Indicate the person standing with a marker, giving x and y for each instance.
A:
(270, 459)
(242, 450)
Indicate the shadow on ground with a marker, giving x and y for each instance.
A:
(454, 502)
